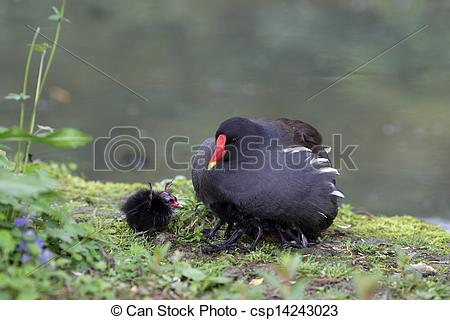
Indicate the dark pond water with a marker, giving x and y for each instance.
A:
(199, 62)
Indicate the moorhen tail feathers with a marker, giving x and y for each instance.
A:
(302, 133)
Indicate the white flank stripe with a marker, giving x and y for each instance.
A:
(329, 170)
(296, 149)
(337, 193)
(323, 214)
(320, 160)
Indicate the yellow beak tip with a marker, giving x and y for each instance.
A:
(211, 165)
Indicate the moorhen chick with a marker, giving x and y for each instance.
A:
(259, 174)
(148, 210)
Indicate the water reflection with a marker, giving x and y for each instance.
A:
(200, 62)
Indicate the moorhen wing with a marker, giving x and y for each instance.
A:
(258, 175)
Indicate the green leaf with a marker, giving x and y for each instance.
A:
(9, 202)
(60, 138)
(66, 138)
(4, 162)
(101, 265)
(13, 134)
(297, 292)
(273, 280)
(56, 11)
(7, 243)
(72, 166)
(54, 17)
(23, 185)
(4, 147)
(29, 293)
(193, 274)
(57, 16)
(292, 264)
(41, 47)
(220, 280)
(17, 96)
(33, 248)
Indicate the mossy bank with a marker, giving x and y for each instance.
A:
(360, 256)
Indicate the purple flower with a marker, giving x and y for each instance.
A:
(22, 222)
(23, 246)
(30, 233)
(39, 242)
(25, 258)
(46, 256)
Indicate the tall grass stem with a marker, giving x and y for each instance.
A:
(54, 46)
(42, 77)
(36, 102)
(19, 156)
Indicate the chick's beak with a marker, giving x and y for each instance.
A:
(219, 152)
(176, 204)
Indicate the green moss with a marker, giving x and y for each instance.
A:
(403, 230)
(360, 256)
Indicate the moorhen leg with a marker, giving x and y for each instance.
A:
(212, 233)
(293, 237)
(229, 229)
(300, 239)
(285, 243)
(228, 244)
(257, 239)
(259, 235)
(234, 237)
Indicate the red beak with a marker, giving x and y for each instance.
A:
(176, 204)
(219, 152)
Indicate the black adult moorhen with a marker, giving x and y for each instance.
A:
(258, 174)
(148, 210)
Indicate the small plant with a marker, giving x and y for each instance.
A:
(35, 232)
(62, 138)
(366, 285)
(285, 280)
(27, 191)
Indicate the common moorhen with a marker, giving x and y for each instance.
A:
(259, 174)
(148, 210)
